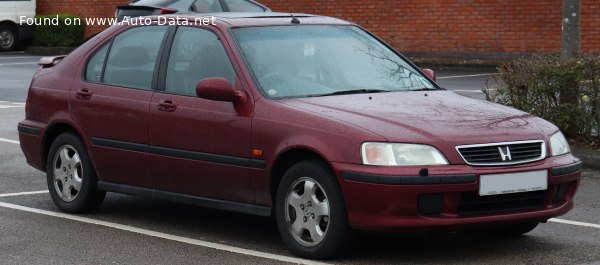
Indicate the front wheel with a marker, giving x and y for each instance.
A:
(72, 181)
(311, 213)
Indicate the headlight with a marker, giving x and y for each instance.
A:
(559, 144)
(392, 154)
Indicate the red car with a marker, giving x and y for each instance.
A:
(311, 119)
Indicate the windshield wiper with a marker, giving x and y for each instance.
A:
(353, 91)
(423, 89)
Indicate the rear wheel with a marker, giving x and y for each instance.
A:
(72, 180)
(311, 213)
(515, 229)
(8, 38)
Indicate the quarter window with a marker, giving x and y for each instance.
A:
(93, 70)
(196, 54)
(132, 58)
(243, 6)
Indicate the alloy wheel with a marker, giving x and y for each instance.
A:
(307, 214)
(68, 173)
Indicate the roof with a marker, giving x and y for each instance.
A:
(244, 19)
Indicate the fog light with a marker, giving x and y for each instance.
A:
(431, 204)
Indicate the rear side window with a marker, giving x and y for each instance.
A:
(207, 6)
(93, 70)
(196, 54)
(132, 58)
(243, 6)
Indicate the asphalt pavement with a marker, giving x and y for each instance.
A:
(132, 230)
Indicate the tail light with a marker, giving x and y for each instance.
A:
(166, 11)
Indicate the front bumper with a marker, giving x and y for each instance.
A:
(398, 198)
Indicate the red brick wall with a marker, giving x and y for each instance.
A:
(590, 25)
(431, 26)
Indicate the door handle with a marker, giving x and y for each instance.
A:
(167, 105)
(84, 93)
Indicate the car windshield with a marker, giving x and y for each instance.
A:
(322, 60)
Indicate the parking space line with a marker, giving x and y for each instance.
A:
(20, 57)
(569, 222)
(9, 64)
(156, 234)
(462, 76)
(4, 195)
(9, 141)
(11, 107)
(8, 105)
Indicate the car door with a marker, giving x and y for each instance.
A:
(200, 147)
(111, 104)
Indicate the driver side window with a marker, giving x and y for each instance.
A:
(196, 54)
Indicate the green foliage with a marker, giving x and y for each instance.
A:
(62, 35)
(563, 91)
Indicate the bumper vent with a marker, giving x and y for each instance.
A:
(507, 153)
(473, 204)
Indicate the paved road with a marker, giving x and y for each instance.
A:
(16, 70)
(130, 230)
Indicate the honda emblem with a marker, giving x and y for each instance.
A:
(505, 154)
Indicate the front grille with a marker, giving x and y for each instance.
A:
(508, 153)
(473, 204)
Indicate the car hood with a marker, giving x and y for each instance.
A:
(428, 117)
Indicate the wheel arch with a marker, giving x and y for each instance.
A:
(52, 133)
(8, 23)
(287, 159)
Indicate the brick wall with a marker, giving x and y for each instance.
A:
(590, 25)
(455, 28)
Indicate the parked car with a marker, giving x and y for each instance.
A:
(12, 31)
(311, 119)
(158, 7)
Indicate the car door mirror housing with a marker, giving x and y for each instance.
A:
(429, 73)
(219, 89)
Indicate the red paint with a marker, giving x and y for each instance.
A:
(332, 127)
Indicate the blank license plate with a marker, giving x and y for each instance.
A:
(495, 184)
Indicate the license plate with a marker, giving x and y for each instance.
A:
(495, 184)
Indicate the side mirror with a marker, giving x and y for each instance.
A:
(429, 73)
(219, 89)
(50, 61)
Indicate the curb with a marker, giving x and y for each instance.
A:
(589, 157)
(48, 51)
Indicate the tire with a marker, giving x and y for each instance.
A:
(9, 39)
(72, 180)
(312, 225)
(514, 230)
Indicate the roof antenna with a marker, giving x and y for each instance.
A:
(295, 20)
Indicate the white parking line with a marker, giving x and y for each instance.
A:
(461, 76)
(151, 233)
(20, 57)
(8, 105)
(569, 222)
(22, 193)
(9, 141)
(9, 64)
